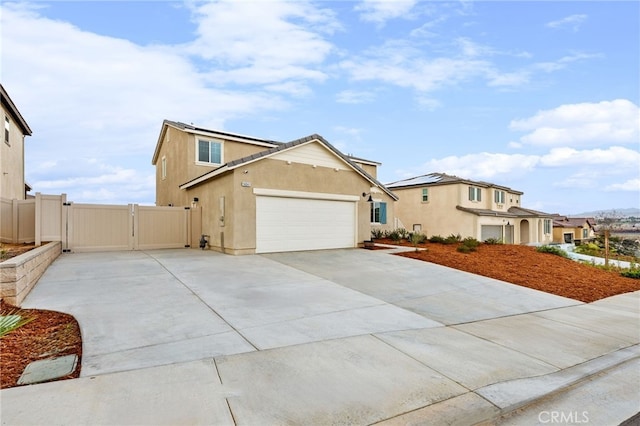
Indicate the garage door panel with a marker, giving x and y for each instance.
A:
(292, 224)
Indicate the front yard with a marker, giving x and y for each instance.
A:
(523, 265)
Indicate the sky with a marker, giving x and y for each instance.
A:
(542, 97)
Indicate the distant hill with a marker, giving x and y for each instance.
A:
(618, 212)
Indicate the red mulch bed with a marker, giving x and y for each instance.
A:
(523, 265)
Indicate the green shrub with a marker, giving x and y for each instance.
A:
(394, 235)
(417, 238)
(493, 241)
(436, 239)
(552, 250)
(631, 273)
(470, 242)
(404, 234)
(452, 239)
(377, 233)
(465, 249)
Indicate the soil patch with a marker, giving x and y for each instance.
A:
(50, 335)
(9, 250)
(524, 266)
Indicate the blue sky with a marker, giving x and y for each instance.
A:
(542, 96)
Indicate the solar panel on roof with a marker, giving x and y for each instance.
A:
(418, 180)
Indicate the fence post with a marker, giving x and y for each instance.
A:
(38, 219)
(14, 221)
(134, 213)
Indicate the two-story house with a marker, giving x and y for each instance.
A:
(12, 183)
(573, 230)
(258, 195)
(441, 204)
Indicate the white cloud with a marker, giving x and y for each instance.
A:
(380, 11)
(564, 61)
(614, 156)
(584, 124)
(629, 185)
(573, 22)
(355, 97)
(262, 42)
(429, 104)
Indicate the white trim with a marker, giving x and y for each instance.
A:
(207, 163)
(300, 194)
(229, 137)
(205, 177)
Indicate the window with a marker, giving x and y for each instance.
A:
(209, 151)
(585, 233)
(425, 195)
(164, 168)
(475, 193)
(7, 126)
(547, 226)
(378, 212)
(499, 196)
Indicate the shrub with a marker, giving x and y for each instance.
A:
(436, 239)
(377, 233)
(470, 242)
(417, 238)
(493, 241)
(633, 272)
(404, 234)
(394, 235)
(465, 249)
(452, 239)
(552, 250)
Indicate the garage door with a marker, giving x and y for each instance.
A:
(293, 224)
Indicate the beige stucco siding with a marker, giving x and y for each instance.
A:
(179, 150)
(12, 154)
(240, 201)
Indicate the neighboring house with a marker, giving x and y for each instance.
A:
(576, 230)
(12, 184)
(259, 195)
(441, 204)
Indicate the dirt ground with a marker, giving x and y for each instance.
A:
(8, 250)
(54, 334)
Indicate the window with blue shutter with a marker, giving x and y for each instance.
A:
(383, 213)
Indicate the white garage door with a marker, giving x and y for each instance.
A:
(293, 224)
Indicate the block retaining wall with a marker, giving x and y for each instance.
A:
(20, 274)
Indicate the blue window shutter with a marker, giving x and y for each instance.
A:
(383, 213)
(479, 194)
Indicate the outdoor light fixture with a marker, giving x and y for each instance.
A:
(195, 199)
(369, 200)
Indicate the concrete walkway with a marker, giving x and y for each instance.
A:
(339, 336)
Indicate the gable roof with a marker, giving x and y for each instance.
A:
(189, 128)
(573, 222)
(284, 147)
(8, 104)
(433, 179)
(512, 212)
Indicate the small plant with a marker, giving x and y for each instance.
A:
(470, 242)
(417, 238)
(552, 250)
(436, 239)
(493, 241)
(12, 320)
(633, 272)
(404, 234)
(452, 239)
(377, 233)
(465, 249)
(394, 235)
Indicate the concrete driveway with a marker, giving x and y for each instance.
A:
(338, 336)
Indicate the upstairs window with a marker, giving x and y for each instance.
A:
(499, 197)
(378, 212)
(209, 151)
(475, 193)
(164, 168)
(7, 126)
(547, 226)
(425, 195)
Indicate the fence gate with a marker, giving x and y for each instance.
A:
(98, 227)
